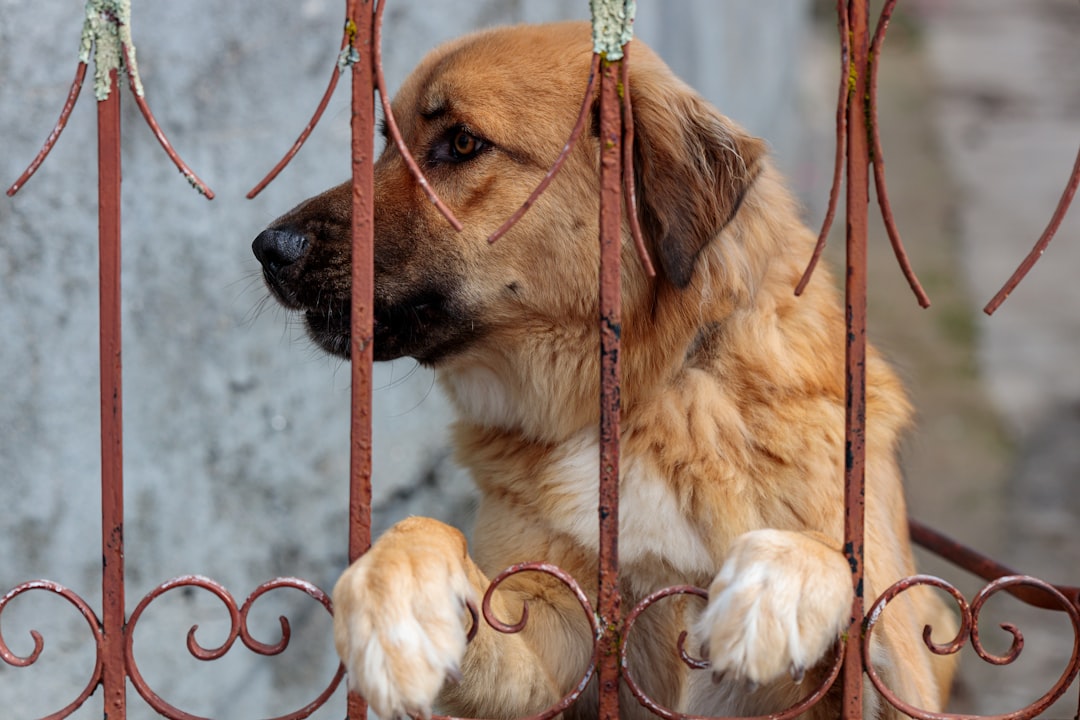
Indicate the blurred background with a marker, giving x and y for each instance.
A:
(236, 429)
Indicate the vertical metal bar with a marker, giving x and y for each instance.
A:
(609, 601)
(858, 198)
(112, 481)
(359, 12)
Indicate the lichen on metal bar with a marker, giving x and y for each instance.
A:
(612, 26)
(106, 33)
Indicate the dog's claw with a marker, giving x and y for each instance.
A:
(752, 687)
(454, 674)
(718, 676)
(798, 672)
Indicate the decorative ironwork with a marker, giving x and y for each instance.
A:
(969, 627)
(112, 13)
(813, 697)
(849, 77)
(238, 628)
(858, 142)
(1042, 243)
(39, 642)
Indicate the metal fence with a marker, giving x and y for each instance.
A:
(858, 153)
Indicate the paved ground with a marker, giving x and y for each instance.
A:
(980, 111)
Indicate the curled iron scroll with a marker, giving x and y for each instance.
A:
(812, 698)
(969, 627)
(238, 627)
(503, 626)
(39, 642)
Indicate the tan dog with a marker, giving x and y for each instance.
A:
(732, 396)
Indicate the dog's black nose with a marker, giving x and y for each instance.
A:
(277, 249)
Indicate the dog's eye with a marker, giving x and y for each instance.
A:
(464, 145)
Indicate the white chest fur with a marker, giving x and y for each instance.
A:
(652, 523)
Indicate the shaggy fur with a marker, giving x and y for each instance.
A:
(732, 402)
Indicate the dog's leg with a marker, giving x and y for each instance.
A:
(400, 627)
(777, 605)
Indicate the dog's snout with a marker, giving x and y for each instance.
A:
(277, 249)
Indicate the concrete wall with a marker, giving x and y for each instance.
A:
(235, 428)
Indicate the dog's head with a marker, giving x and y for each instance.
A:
(486, 116)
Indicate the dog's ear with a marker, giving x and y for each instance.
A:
(692, 167)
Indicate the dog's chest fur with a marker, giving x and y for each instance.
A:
(557, 486)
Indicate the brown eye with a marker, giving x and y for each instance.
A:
(464, 145)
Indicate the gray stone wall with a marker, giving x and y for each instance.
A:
(235, 428)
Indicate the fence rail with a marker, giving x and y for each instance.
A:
(859, 151)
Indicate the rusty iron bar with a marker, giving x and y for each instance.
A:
(878, 159)
(505, 627)
(629, 191)
(858, 198)
(363, 233)
(360, 13)
(39, 643)
(579, 125)
(347, 35)
(502, 626)
(813, 697)
(392, 126)
(1043, 242)
(112, 450)
(984, 567)
(609, 601)
(841, 142)
(969, 628)
(61, 123)
(159, 134)
(877, 156)
(140, 102)
(238, 628)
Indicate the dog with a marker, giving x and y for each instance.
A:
(732, 404)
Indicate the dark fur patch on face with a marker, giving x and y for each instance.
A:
(307, 264)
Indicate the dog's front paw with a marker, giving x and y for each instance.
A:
(400, 618)
(777, 605)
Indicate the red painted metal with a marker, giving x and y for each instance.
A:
(878, 158)
(363, 230)
(813, 697)
(144, 108)
(39, 643)
(392, 126)
(841, 141)
(238, 628)
(346, 40)
(609, 602)
(858, 197)
(505, 627)
(140, 102)
(629, 192)
(857, 142)
(1043, 242)
(969, 615)
(61, 123)
(579, 125)
(986, 568)
(361, 16)
(112, 450)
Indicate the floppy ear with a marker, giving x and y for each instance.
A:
(692, 167)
